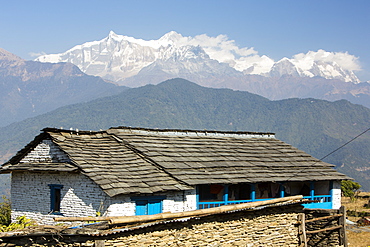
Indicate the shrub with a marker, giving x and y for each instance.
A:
(5, 211)
(20, 223)
(350, 188)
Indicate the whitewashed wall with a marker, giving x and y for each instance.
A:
(30, 195)
(46, 151)
(174, 202)
(80, 196)
(336, 195)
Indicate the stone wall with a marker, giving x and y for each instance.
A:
(326, 238)
(30, 192)
(275, 226)
(46, 151)
(30, 195)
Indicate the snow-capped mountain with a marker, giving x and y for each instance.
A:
(311, 68)
(121, 58)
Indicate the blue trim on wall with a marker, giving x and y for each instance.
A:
(320, 205)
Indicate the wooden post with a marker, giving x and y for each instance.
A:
(302, 229)
(342, 230)
(282, 190)
(324, 217)
(312, 190)
(165, 216)
(324, 229)
(226, 194)
(253, 192)
(197, 189)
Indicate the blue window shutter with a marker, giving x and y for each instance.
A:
(147, 205)
(142, 207)
(154, 206)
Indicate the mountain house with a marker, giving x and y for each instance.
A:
(126, 171)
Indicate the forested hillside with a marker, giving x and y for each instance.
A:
(315, 126)
(29, 88)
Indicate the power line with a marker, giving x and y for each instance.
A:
(345, 144)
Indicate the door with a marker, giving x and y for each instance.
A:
(148, 205)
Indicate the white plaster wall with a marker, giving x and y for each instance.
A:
(120, 206)
(30, 192)
(46, 151)
(30, 195)
(175, 202)
(180, 201)
(336, 194)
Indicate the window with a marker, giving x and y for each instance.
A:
(55, 198)
(148, 205)
(211, 192)
(217, 192)
(239, 192)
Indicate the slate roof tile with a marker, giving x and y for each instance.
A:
(132, 160)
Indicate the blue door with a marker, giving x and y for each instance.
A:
(148, 205)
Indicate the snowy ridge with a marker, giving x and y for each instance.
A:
(118, 57)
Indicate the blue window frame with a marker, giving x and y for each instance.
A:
(55, 198)
(148, 205)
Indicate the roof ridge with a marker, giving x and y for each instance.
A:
(164, 131)
(196, 132)
(56, 130)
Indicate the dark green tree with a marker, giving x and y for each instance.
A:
(350, 188)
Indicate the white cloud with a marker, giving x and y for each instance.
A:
(255, 64)
(36, 54)
(343, 59)
(224, 50)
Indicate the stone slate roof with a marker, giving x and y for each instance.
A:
(133, 160)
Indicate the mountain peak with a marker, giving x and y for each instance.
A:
(112, 34)
(171, 36)
(118, 57)
(5, 55)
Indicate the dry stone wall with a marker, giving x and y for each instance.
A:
(266, 227)
(326, 238)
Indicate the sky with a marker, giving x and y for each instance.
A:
(271, 27)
